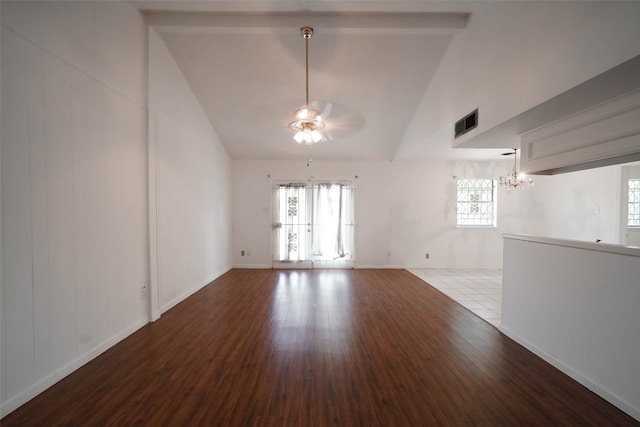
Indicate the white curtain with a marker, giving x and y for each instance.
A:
(332, 240)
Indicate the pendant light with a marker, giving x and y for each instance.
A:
(516, 179)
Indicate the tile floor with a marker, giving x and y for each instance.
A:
(479, 290)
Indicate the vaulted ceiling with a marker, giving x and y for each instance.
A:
(391, 77)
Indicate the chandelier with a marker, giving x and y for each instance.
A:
(308, 120)
(516, 179)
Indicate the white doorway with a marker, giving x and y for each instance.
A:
(313, 225)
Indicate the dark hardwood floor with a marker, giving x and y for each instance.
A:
(318, 348)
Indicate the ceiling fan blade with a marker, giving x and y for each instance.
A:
(340, 121)
(325, 108)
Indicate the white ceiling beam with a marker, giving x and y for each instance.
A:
(369, 22)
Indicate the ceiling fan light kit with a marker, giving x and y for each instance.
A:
(308, 120)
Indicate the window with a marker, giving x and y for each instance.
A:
(476, 203)
(634, 203)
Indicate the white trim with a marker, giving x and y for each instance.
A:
(449, 23)
(357, 267)
(153, 293)
(587, 382)
(35, 389)
(379, 267)
(604, 131)
(183, 296)
(469, 189)
(252, 266)
(580, 244)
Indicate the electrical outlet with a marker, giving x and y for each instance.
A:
(241, 253)
(426, 255)
(143, 293)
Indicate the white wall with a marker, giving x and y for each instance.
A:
(403, 210)
(73, 187)
(583, 205)
(190, 177)
(423, 205)
(252, 205)
(82, 227)
(547, 47)
(2, 342)
(74, 200)
(576, 305)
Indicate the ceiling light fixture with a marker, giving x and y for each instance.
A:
(308, 120)
(516, 179)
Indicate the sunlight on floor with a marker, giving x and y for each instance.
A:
(478, 290)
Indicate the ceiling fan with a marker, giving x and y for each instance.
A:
(318, 121)
(308, 120)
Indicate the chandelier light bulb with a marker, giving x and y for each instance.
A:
(516, 179)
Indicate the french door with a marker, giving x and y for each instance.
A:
(313, 225)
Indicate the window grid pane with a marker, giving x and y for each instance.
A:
(476, 202)
(634, 203)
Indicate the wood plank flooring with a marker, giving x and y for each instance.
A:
(318, 348)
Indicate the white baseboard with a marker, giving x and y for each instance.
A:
(624, 406)
(16, 401)
(155, 315)
(252, 266)
(168, 306)
(379, 267)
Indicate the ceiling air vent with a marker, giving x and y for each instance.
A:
(466, 123)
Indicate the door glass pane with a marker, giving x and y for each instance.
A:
(290, 223)
(313, 225)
